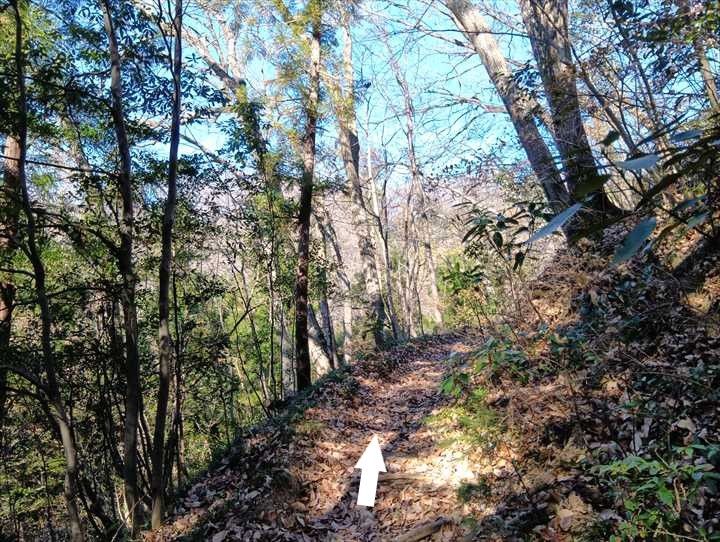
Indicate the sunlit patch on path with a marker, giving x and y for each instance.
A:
(303, 486)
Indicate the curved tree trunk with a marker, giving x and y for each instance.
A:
(520, 106)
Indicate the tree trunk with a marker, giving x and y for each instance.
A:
(318, 343)
(127, 271)
(344, 102)
(327, 230)
(520, 106)
(53, 406)
(165, 348)
(547, 26)
(411, 252)
(287, 361)
(707, 75)
(418, 189)
(382, 240)
(302, 349)
(9, 197)
(328, 328)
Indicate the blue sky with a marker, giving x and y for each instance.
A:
(437, 72)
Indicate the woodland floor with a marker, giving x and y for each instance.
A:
(298, 482)
(622, 373)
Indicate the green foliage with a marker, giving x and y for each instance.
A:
(657, 495)
(508, 233)
(463, 285)
(499, 356)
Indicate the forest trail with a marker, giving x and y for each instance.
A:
(299, 482)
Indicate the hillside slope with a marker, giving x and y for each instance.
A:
(590, 414)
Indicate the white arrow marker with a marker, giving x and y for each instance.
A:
(371, 462)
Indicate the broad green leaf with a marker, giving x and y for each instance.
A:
(631, 505)
(642, 162)
(498, 239)
(519, 259)
(556, 223)
(635, 240)
(665, 495)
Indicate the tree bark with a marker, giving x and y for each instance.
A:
(287, 354)
(519, 105)
(344, 104)
(707, 75)
(327, 230)
(319, 345)
(127, 272)
(546, 22)
(302, 349)
(382, 239)
(9, 197)
(165, 347)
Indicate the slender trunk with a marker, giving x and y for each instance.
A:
(127, 271)
(302, 349)
(54, 407)
(382, 241)
(344, 102)
(416, 179)
(411, 253)
(165, 348)
(519, 104)
(259, 358)
(327, 230)
(177, 449)
(9, 197)
(708, 76)
(325, 315)
(319, 346)
(286, 352)
(347, 330)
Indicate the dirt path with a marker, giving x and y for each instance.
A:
(302, 486)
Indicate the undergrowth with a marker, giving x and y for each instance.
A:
(625, 382)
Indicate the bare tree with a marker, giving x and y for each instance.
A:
(344, 107)
(417, 186)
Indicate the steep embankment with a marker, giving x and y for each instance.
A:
(296, 481)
